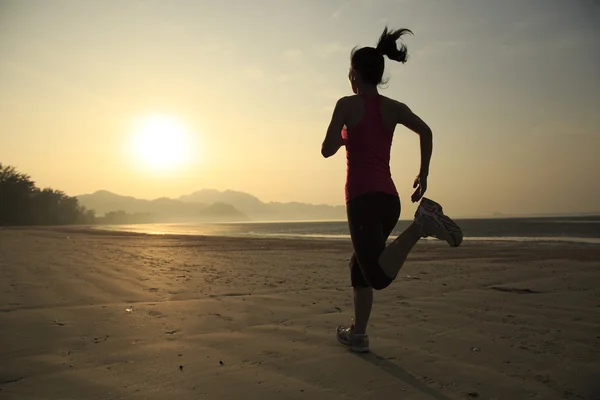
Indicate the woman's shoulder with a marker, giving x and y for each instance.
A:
(348, 101)
(349, 98)
(389, 100)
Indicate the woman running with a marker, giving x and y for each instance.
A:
(364, 123)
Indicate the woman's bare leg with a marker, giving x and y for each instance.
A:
(394, 255)
(363, 302)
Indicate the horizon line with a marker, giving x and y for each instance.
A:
(496, 215)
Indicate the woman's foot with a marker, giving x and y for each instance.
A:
(432, 222)
(356, 342)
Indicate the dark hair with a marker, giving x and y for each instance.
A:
(369, 62)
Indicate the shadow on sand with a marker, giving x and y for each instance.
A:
(401, 374)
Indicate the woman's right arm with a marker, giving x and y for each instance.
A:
(333, 138)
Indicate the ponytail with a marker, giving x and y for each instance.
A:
(387, 45)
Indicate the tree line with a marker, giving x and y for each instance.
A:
(23, 203)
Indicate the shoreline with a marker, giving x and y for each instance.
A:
(324, 237)
(308, 238)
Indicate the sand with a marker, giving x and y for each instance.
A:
(105, 316)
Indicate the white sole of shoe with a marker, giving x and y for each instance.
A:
(441, 230)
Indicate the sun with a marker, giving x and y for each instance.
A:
(161, 142)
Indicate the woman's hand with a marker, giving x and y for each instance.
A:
(420, 185)
(344, 136)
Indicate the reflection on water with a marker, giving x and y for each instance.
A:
(582, 230)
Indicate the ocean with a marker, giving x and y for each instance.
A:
(566, 229)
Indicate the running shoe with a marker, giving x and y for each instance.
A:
(433, 223)
(356, 343)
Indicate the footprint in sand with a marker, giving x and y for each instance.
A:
(224, 317)
(156, 314)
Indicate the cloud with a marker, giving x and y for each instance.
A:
(254, 73)
(214, 46)
(357, 7)
(331, 95)
(209, 47)
(282, 78)
(331, 49)
(440, 48)
(336, 14)
(293, 55)
(60, 81)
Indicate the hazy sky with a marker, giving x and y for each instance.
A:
(511, 89)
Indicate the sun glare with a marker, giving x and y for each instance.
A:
(161, 142)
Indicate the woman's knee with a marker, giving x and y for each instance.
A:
(381, 283)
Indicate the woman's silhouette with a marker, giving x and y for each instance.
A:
(364, 123)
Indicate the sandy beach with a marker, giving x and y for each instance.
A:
(105, 316)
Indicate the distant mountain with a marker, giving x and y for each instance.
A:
(210, 205)
(244, 202)
(103, 202)
(162, 209)
(257, 210)
(222, 212)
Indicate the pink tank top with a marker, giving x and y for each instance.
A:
(368, 153)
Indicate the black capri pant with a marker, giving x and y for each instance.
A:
(371, 218)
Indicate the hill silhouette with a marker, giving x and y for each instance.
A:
(210, 205)
(246, 203)
(272, 211)
(161, 210)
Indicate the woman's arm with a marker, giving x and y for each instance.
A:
(333, 139)
(409, 119)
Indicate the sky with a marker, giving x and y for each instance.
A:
(510, 88)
